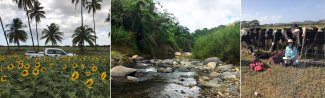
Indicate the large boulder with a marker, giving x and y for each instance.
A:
(121, 71)
(212, 59)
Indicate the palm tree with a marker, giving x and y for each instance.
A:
(82, 34)
(37, 13)
(26, 4)
(53, 34)
(82, 4)
(4, 32)
(16, 32)
(93, 6)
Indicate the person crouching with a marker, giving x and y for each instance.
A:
(290, 53)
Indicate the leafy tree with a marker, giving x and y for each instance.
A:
(16, 32)
(52, 34)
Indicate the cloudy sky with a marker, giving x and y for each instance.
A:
(198, 14)
(282, 11)
(61, 12)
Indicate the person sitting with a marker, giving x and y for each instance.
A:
(290, 53)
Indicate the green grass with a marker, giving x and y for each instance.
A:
(223, 43)
(282, 82)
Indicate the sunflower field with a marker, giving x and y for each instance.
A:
(48, 77)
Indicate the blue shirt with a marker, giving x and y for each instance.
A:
(291, 52)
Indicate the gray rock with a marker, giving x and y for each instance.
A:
(165, 70)
(151, 61)
(121, 71)
(214, 74)
(230, 75)
(214, 83)
(212, 59)
(227, 67)
(233, 90)
(164, 65)
(168, 61)
(142, 65)
(183, 69)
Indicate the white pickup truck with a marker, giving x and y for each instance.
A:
(53, 52)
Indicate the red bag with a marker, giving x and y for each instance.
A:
(257, 65)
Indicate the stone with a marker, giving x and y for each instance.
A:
(205, 78)
(229, 75)
(227, 67)
(214, 83)
(163, 65)
(212, 65)
(121, 71)
(212, 59)
(131, 78)
(151, 61)
(183, 69)
(178, 53)
(142, 65)
(187, 53)
(165, 70)
(214, 74)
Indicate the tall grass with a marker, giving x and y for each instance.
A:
(123, 40)
(223, 43)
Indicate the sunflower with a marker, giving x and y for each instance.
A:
(89, 83)
(92, 65)
(11, 66)
(2, 69)
(24, 73)
(51, 65)
(43, 69)
(18, 60)
(83, 66)
(64, 66)
(74, 65)
(27, 66)
(35, 72)
(103, 75)
(94, 68)
(74, 76)
(38, 64)
(4, 78)
(88, 73)
(20, 65)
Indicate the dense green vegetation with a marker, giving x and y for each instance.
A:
(223, 42)
(138, 26)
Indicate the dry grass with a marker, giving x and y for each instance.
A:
(282, 82)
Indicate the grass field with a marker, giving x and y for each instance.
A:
(279, 81)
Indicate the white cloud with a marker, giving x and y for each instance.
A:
(61, 12)
(198, 14)
(262, 18)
